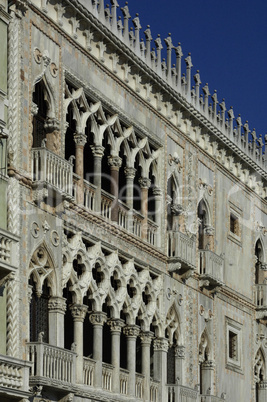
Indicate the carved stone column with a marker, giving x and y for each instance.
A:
(179, 362)
(130, 175)
(161, 347)
(145, 183)
(78, 312)
(12, 312)
(131, 332)
(158, 213)
(98, 152)
(146, 338)
(98, 319)
(80, 141)
(56, 308)
(209, 237)
(115, 328)
(115, 164)
(207, 374)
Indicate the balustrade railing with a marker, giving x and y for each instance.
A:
(107, 371)
(52, 169)
(177, 393)
(182, 247)
(88, 371)
(51, 362)
(14, 374)
(152, 228)
(211, 398)
(137, 223)
(89, 195)
(139, 385)
(211, 265)
(124, 378)
(154, 390)
(106, 204)
(8, 252)
(260, 295)
(123, 215)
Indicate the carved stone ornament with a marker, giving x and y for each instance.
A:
(116, 325)
(146, 337)
(57, 304)
(203, 185)
(46, 227)
(174, 159)
(177, 209)
(37, 55)
(131, 331)
(80, 139)
(144, 182)
(78, 312)
(161, 344)
(35, 230)
(262, 385)
(53, 70)
(208, 364)
(209, 230)
(51, 124)
(130, 172)
(54, 236)
(114, 161)
(98, 318)
(261, 228)
(180, 352)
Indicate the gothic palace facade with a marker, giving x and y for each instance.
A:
(133, 217)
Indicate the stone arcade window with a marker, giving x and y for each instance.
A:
(233, 345)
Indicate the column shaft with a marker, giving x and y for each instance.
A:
(80, 141)
(78, 314)
(131, 333)
(98, 152)
(98, 319)
(57, 308)
(115, 328)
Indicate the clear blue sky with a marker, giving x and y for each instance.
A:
(228, 44)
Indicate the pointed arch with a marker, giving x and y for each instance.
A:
(205, 350)
(173, 325)
(259, 366)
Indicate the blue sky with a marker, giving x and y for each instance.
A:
(228, 44)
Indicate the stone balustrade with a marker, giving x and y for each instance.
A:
(14, 375)
(88, 371)
(181, 250)
(139, 385)
(53, 363)
(89, 195)
(137, 223)
(154, 390)
(8, 253)
(122, 216)
(177, 393)
(52, 170)
(151, 232)
(211, 267)
(106, 204)
(124, 378)
(107, 371)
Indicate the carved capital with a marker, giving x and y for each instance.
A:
(114, 162)
(34, 109)
(180, 352)
(116, 325)
(209, 230)
(80, 139)
(144, 182)
(177, 209)
(157, 191)
(161, 344)
(262, 385)
(97, 150)
(208, 364)
(78, 312)
(98, 318)
(131, 331)
(51, 124)
(130, 172)
(57, 304)
(146, 337)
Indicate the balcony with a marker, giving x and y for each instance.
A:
(51, 366)
(51, 173)
(260, 299)
(14, 378)
(177, 393)
(8, 253)
(211, 269)
(181, 253)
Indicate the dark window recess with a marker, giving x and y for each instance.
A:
(233, 354)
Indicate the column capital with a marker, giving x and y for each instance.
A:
(144, 182)
(131, 331)
(130, 172)
(146, 337)
(57, 304)
(161, 344)
(262, 385)
(114, 162)
(80, 139)
(97, 150)
(78, 312)
(157, 192)
(208, 364)
(116, 324)
(98, 318)
(180, 352)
